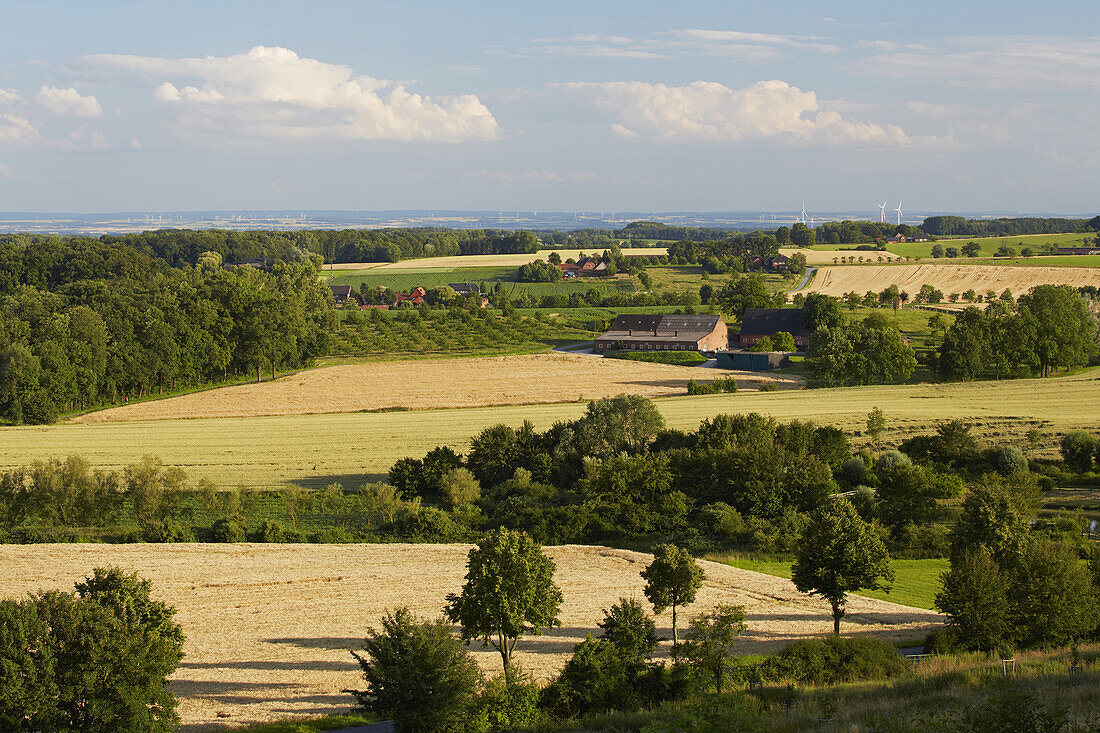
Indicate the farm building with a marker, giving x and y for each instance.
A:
(414, 296)
(778, 263)
(902, 239)
(465, 289)
(760, 322)
(1079, 250)
(589, 267)
(753, 361)
(340, 293)
(667, 332)
(569, 269)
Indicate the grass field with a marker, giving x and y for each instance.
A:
(989, 245)
(916, 582)
(269, 627)
(947, 278)
(315, 450)
(463, 261)
(434, 384)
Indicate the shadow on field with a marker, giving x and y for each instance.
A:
(348, 480)
(322, 642)
(268, 665)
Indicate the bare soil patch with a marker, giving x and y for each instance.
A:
(427, 384)
(947, 278)
(269, 627)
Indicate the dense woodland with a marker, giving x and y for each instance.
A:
(86, 322)
(1006, 227)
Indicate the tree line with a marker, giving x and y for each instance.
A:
(1006, 226)
(86, 323)
(1050, 327)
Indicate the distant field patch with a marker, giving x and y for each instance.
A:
(431, 263)
(270, 628)
(916, 582)
(947, 278)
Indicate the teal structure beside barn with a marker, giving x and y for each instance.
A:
(753, 361)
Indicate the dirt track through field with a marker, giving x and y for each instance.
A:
(269, 627)
(947, 278)
(436, 383)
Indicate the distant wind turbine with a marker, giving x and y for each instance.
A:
(882, 213)
(899, 213)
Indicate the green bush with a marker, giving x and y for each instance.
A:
(506, 703)
(1010, 460)
(718, 713)
(164, 531)
(330, 536)
(269, 531)
(227, 530)
(682, 358)
(834, 659)
(1077, 449)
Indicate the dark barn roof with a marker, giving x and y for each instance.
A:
(769, 321)
(340, 291)
(664, 327)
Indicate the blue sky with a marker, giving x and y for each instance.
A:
(644, 106)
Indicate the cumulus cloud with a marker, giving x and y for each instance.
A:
(68, 102)
(997, 62)
(272, 92)
(16, 130)
(711, 112)
(7, 96)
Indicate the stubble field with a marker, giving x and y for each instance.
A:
(269, 627)
(315, 450)
(948, 278)
(434, 384)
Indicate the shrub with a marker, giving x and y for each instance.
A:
(1010, 460)
(269, 531)
(1077, 449)
(722, 521)
(427, 524)
(974, 595)
(627, 626)
(508, 702)
(834, 659)
(164, 531)
(855, 472)
(710, 714)
(418, 674)
(682, 358)
(227, 530)
(331, 536)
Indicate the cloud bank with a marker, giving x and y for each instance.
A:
(68, 102)
(272, 92)
(711, 112)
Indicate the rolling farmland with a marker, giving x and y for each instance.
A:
(269, 627)
(948, 278)
(315, 450)
(432, 384)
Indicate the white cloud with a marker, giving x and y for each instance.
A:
(711, 112)
(271, 92)
(999, 62)
(7, 96)
(718, 41)
(6, 172)
(68, 102)
(135, 144)
(16, 130)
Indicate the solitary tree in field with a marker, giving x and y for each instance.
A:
(711, 639)
(509, 591)
(876, 423)
(672, 580)
(838, 554)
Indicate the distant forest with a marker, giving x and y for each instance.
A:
(1006, 227)
(89, 322)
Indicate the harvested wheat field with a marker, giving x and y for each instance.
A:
(439, 263)
(269, 627)
(437, 383)
(947, 278)
(829, 256)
